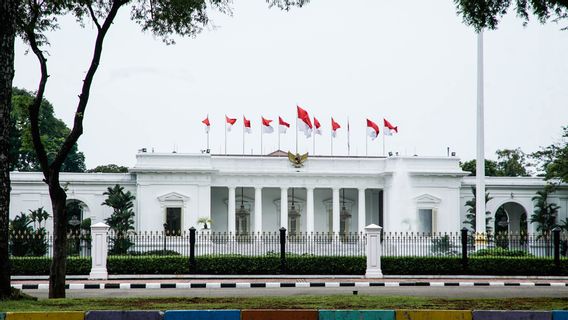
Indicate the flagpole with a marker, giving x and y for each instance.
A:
(244, 135)
(384, 140)
(349, 138)
(278, 134)
(314, 141)
(296, 134)
(261, 133)
(331, 142)
(208, 150)
(225, 135)
(366, 145)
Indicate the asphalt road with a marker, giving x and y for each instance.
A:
(442, 292)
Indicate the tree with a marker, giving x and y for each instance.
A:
(34, 18)
(511, 163)
(490, 167)
(53, 133)
(486, 14)
(545, 212)
(554, 159)
(471, 213)
(109, 168)
(8, 9)
(121, 221)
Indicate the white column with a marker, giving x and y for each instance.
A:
(231, 223)
(284, 208)
(361, 217)
(99, 251)
(373, 250)
(335, 212)
(310, 210)
(480, 159)
(258, 209)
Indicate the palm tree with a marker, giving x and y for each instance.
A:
(544, 215)
(121, 221)
(471, 212)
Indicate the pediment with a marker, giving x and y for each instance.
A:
(427, 198)
(173, 196)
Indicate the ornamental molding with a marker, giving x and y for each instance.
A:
(426, 198)
(173, 198)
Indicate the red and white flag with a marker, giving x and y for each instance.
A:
(305, 124)
(389, 128)
(372, 129)
(334, 127)
(207, 124)
(317, 126)
(266, 127)
(229, 123)
(282, 125)
(246, 124)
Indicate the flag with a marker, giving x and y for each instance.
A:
(207, 124)
(246, 124)
(372, 129)
(305, 124)
(317, 126)
(266, 127)
(229, 123)
(390, 129)
(282, 125)
(334, 127)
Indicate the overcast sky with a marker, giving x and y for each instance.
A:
(412, 62)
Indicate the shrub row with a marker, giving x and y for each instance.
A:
(300, 265)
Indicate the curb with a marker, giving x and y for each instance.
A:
(220, 285)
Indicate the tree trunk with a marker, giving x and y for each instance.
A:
(7, 36)
(59, 262)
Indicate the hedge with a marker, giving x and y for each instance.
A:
(301, 265)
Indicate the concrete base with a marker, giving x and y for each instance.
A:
(98, 274)
(373, 273)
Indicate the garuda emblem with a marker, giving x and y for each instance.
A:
(297, 159)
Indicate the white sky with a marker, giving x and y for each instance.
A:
(413, 62)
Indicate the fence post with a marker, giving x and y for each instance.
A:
(556, 244)
(282, 250)
(99, 251)
(192, 262)
(464, 248)
(373, 250)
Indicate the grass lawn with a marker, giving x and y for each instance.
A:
(291, 302)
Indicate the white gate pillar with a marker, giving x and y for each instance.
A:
(373, 250)
(99, 251)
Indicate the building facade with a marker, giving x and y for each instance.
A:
(242, 194)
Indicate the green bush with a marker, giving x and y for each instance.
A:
(500, 252)
(300, 265)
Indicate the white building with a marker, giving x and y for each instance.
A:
(263, 193)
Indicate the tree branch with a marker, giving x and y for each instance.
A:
(35, 107)
(93, 16)
(85, 90)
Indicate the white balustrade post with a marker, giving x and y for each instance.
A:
(99, 251)
(373, 250)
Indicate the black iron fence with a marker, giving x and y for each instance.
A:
(39, 243)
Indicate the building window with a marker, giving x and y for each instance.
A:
(173, 221)
(425, 220)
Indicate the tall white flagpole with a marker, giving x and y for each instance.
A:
(278, 134)
(348, 138)
(480, 226)
(261, 133)
(296, 134)
(225, 134)
(243, 135)
(384, 140)
(366, 144)
(331, 141)
(315, 141)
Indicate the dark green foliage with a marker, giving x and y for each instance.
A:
(28, 236)
(53, 132)
(500, 252)
(109, 168)
(486, 14)
(121, 220)
(545, 212)
(554, 159)
(40, 266)
(443, 245)
(302, 265)
(490, 167)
